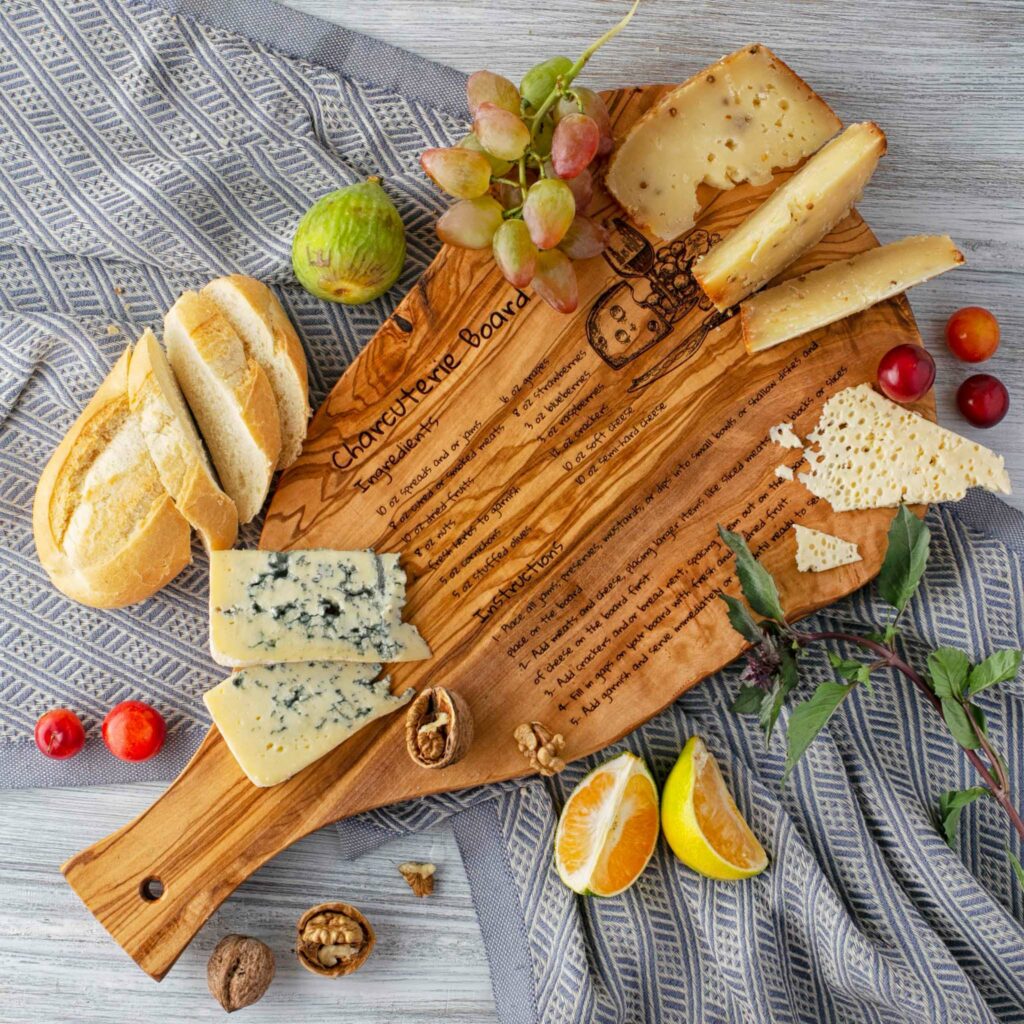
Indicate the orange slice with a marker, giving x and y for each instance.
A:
(608, 828)
(701, 821)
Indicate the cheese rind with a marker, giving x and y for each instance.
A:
(817, 551)
(841, 289)
(312, 605)
(793, 219)
(869, 452)
(735, 121)
(278, 719)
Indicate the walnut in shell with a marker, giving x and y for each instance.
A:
(438, 728)
(239, 971)
(334, 939)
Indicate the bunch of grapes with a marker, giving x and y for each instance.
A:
(523, 176)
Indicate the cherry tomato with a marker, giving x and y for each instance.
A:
(134, 731)
(983, 400)
(59, 733)
(906, 373)
(972, 334)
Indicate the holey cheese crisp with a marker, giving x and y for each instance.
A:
(868, 452)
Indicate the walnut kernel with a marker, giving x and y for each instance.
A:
(540, 747)
(333, 939)
(239, 971)
(419, 876)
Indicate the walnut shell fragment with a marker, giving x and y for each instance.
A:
(239, 971)
(438, 728)
(419, 876)
(333, 939)
(540, 747)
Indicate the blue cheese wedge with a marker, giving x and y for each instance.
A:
(817, 551)
(314, 605)
(278, 719)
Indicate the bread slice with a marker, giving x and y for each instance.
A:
(230, 397)
(269, 338)
(106, 531)
(175, 447)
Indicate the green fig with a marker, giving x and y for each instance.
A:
(350, 244)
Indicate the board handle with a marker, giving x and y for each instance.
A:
(153, 883)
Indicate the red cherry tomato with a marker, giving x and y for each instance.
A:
(972, 334)
(59, 733)
(983, 400)
(906, 373)
(134, 731)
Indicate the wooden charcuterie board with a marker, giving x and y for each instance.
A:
(553, 484)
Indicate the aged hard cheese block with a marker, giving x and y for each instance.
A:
(817, 551)
(793, 219)
(823, 296)
(735, 121)
(277, 719)
(872, 453)
(314, 605)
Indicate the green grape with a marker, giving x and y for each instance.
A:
(582, 186)
(555, 281)
(548, 211)
(462, 173)
(538, 82)
(499, 168)
(515, 253)
(542, 137)
(584, 239)
(487, 87)
(470, 223)
(501, 133)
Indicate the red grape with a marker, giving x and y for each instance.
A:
(555, 281)
(972, 334)
(584, 239)
(515, 253)
(574, 144)
(462, 173)
(906, 373)
(134, 731)
(582, 186)
(593, 106)
(501, 133)
(59, 733)
(470, 223)
(537, 83)
(548, 211)
(498, 167)
(487, 87)
(983, 400)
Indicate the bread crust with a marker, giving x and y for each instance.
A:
(196, 494)
(155, 551)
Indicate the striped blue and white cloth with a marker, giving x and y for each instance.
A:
(147, 146)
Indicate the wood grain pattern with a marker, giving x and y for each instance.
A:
(554, 483)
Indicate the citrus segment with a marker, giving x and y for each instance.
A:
(609, 828)
(701, 821)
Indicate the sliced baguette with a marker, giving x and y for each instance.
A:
(107, 532)
(230, 397)
(175, 447)
(269, 338)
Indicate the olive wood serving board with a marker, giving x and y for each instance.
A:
(553, 484)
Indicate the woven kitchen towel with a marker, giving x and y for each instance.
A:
(145, 148)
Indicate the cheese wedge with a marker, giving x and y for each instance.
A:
(869, 452)
(783, 435)
(817, 551)
(736, 121)
(278, 719)
(841, 289)
(793, 219)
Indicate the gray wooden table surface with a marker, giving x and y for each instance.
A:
(944, 79)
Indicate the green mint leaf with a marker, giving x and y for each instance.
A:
(1017, 869)
(741, 620)
(950, 806)
(999, 667)
(947, 671)
(748, 701)
(979, 717)
(853, 671)
(755, 581)
(905, 559)
(809, 718)
(773, 700)
(956, 720)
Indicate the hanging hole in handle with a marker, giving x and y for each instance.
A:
(151, 889)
